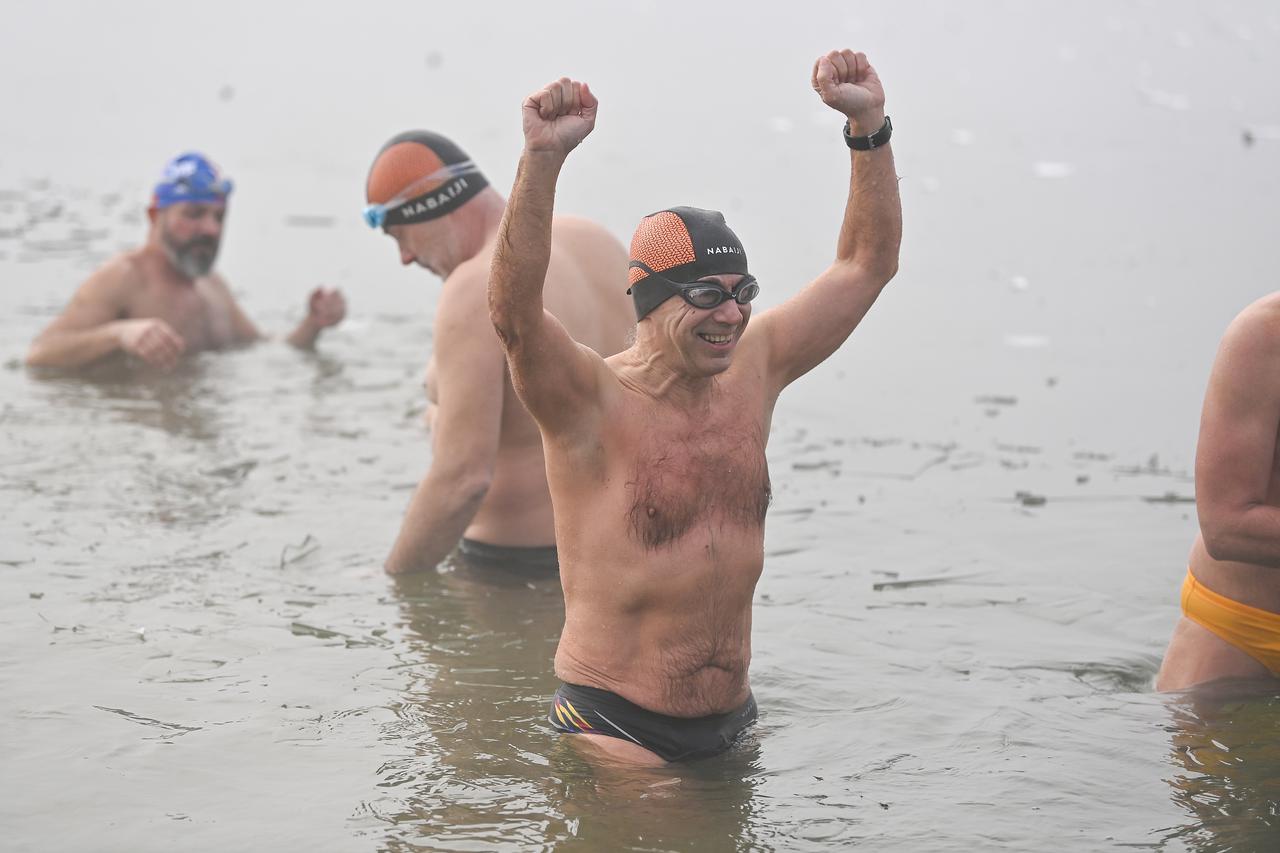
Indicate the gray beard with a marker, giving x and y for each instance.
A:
(188, 262)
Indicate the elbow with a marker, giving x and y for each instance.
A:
(1215, 543)
(1223, 541)
(473, 487)
(885, 271)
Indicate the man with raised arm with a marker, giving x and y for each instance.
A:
(164, 299)
(1230, 627)
(655, 456)
(485, 492)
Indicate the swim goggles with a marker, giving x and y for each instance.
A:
(375, 215)
(703, 294)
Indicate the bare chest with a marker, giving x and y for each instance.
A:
(708, 474)
(196, 313)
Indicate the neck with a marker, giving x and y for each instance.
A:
(651, 369)
(158, 258)
(478, 222)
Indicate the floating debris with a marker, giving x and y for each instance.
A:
(996, 400)
(937, 580)
(1028, 499)
(305, 548)
(302, 220)
(175, 729)
(237, 471)
(301, 629)
(1169, 498)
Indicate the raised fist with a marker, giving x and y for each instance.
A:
(558, 116)
(846, 82)
(326, 307)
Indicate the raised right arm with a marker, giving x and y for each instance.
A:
(556, 377)
(1235, 456)
(91, 327)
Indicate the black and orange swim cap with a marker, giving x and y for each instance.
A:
(419, 175)
(682, 244)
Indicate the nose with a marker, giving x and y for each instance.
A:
(406, 257)
(728, 312)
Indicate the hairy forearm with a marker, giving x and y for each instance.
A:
(74, 349)
(871, 233)
(523, 248)
(1251, 536)
(440, 512)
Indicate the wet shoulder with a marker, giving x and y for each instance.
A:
(464, 298)
(121, 282)
(1258, 325)
(587, 241)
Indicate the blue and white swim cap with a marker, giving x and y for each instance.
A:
(191, 177)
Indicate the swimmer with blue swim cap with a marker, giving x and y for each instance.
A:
(164, 299)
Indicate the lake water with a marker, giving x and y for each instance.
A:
(981, 512)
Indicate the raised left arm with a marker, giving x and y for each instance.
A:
(809, 327)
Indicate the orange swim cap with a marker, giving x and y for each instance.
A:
(419, 175)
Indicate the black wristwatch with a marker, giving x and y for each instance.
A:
(871, 140)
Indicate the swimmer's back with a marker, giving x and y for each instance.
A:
(586, 285)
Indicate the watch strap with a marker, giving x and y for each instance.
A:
(871, 140)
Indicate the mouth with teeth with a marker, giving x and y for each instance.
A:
(721, 341)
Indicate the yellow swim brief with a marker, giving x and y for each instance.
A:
(1250, 629)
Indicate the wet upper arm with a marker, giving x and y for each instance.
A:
(1235, 455)
(805, 330)
(557, 378)
(102, 298)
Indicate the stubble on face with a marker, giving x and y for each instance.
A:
(193, 257)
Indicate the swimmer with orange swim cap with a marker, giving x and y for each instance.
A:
(164, 299)
(485, 492)
(1230, 625)
(656, 456)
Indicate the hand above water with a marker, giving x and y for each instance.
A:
(558, 116)
(846, 82)
(152, 340)
(326, 307)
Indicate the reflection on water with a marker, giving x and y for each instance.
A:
(478, 654)
(1225, 741)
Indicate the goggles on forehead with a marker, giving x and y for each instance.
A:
(406, 207)
(702, 294)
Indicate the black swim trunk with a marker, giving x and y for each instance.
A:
(588, 710)
(512, 557)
